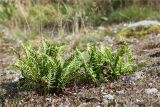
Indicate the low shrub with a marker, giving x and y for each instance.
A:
(48, 69)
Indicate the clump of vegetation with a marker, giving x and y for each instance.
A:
(140, 32)
(46, 69)
(102, 62)
(49, 70)
(134, 13)
(6, 12)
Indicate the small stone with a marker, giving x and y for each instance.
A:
(102, 89)
(16, 79)
(31, 99)
(63, 105)
(49, 105)
(158, 94)
(120, 92)
(25, 93)
(134, 77)
(137, 100)
(111, 86)
(82, 105)
(108, 97)
(151, 90)
(74, 93)
(49, 99)
(150, 85)
(109, 39)
(6, 101)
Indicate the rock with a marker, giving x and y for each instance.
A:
(151, 90)
(85, 105)
(129, 104)
(50, 105)
(134, 77)
(2, 73)
(158, 94)
(16, 79)
(150, 85)
(31, 99)
(144, 23)
(48, 99)
(108, 39)
(120, 92)
(63, 105)
(108, 97)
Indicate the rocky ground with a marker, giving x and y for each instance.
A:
(140, 89)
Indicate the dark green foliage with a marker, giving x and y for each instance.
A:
(49, 70)
(6, 11)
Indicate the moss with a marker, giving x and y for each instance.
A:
(139, 32)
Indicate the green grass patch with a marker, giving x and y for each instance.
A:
(133, 13)
(6, 12)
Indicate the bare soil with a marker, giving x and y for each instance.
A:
(126, 91)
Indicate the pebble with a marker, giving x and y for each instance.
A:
(108, 97)
(134, 77)
(150, 85)
(109, 39)
(84, 105)
(49, 105)
(16, 79)
(63, 105)
(31, 99)
(120, 92)
(151, 90)
(158, 94)
(49, 99)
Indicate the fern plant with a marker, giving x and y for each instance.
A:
(101, 62)
(120, 61)
(46, 68)
(92, 63)
(49, 70)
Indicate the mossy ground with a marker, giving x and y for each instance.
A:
(139, 32)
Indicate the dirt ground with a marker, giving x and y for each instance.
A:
(140, 89)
